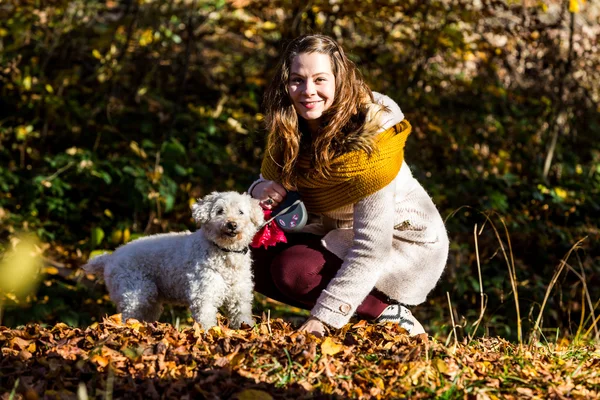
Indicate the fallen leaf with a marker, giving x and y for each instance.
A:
(441, 365)
(329, 346)
(252, 394)
(102, 361)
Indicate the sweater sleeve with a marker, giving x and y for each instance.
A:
(253, 185)
(366, 259)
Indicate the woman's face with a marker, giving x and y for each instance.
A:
(311, 86)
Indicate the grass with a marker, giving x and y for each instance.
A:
(588, 324)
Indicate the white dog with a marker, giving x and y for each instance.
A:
(205, 270)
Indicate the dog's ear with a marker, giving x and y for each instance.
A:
(257, 215)
(201, 209)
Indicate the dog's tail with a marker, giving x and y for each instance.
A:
(96, 265)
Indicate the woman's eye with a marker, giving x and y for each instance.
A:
(295, 81)
(220, 211)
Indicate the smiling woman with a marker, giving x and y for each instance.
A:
(374, 242)
(312, 87)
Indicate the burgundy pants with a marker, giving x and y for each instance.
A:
(296, 273)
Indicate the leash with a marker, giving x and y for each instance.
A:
(281, 212)
(290, 215)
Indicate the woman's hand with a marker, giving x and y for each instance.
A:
(269, 193)
(314, 326)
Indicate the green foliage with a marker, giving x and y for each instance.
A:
(114, 116)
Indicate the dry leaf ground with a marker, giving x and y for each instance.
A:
(271, 360)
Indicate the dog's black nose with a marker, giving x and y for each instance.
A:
(232, 226)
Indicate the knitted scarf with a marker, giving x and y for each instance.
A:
(353, 175)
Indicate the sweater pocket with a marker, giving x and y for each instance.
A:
(417, 219)
(413, 230)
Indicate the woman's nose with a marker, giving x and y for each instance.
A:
(309, 87)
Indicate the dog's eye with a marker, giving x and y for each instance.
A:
(220, 211)
(241, 212)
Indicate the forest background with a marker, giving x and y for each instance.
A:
(115, 116)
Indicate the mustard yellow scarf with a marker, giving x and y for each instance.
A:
(353, 175)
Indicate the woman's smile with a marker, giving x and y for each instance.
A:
(311, 104)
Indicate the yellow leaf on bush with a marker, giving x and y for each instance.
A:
(146, 37)
(268, 25)
(126, 235)
(96, 54)
(560, 192)
(51, 270)
(27, 82)
(22, 131)
(19, 269)
(329, 346)
(574, 6)
(434, 128)
(135, 147)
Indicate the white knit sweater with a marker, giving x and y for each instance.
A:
(393, 240)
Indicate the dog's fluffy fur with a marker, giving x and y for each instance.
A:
(205, 270)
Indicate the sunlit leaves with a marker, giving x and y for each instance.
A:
(329, 346)
(20, 269)
(23, 131)
(119, 236)
(560, 192)
(137, 109)
(134, 146)
(272, 360)
(27, 82)
(146, 37)
(97, 236)
(575, 5)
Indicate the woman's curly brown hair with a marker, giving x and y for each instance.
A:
(344, 120)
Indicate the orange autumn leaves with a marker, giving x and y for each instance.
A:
(272, 360)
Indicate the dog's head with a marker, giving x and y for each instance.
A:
(230, 219)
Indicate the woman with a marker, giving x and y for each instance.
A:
(375, 241)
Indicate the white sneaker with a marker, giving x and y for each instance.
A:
(403, 317)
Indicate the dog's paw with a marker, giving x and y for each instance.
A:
(235, 324)
(207, 324)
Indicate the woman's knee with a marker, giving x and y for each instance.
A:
(299, 270)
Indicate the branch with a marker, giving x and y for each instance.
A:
(556, 125)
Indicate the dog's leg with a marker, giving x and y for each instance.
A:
(205, 297)
(204, 312)
(238, 304)
(140, 302)
(239, 311)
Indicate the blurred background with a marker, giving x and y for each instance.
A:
(116, 115)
